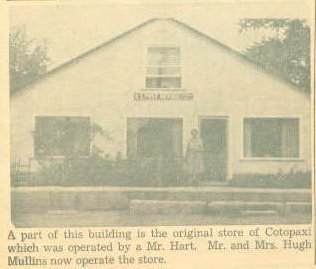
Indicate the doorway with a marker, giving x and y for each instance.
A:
(154, 150)
(214, 137)
(154, 138)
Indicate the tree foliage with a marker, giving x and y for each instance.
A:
(28, 58)
(286, 52)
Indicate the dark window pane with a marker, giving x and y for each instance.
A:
(62, 136)
(163, 82)
(271, 137)
(163, 71)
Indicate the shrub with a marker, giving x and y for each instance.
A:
(100, 171)
(298, 179)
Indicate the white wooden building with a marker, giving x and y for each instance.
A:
(162, 79)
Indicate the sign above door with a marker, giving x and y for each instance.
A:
(163, 96)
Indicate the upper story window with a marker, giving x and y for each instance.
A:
(163, 68)
(61, 136)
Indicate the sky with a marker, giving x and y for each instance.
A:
(70, 29)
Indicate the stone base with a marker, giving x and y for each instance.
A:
(102, 201)
(237, 207)
(298, 207)
(167, 207)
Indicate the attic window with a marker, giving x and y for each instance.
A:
(163, 68)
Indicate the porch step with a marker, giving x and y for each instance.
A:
(259, 213)
(223, 193)
(43, 199)
(62, 212)
(213, 183)
(167, 207)
(244, 206)
(298, 207)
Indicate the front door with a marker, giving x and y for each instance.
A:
(154, 146)
(214, 137)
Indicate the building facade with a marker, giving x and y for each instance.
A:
(141, 93)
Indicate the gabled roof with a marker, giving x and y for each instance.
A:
(118, 37)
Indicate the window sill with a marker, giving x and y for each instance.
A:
(273, 159)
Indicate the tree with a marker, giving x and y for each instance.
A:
(28, 58)
(285, 52)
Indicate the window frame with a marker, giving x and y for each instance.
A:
(180, 66)
(300, 142)
(43, 157)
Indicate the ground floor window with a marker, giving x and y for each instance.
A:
(61, 136)
(271, 137)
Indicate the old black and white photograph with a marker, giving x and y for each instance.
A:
(137, 115)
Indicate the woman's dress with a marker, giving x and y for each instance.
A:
(194, 157)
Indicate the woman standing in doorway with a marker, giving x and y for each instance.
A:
(194, 159)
